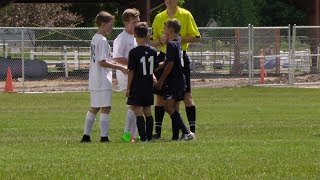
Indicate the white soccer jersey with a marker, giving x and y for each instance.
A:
(123, 44)
(100, 78)
(121, 48)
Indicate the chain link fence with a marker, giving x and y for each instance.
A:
(306, 54)
(57, 59)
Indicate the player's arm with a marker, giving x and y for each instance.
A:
(113, 65)
(156, 40)
(119, 50)
(193, 31)
(190, 39)
(161, 66)
(166, 72)
(121, 60)
(159, 41)
(130, 78)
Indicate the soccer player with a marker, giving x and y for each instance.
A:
(100, 78)
(189, 34)
(172, 80)
(124, 42)
(142, 63)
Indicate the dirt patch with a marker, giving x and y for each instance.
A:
(62, 84)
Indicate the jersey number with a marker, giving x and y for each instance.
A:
(181, 58)
(144, 65)
(93, 47)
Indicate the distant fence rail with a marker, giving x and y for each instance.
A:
(281, 54)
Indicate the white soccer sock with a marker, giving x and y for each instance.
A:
(133, 126)
(88, 125)
(104, 124)
(130, 113)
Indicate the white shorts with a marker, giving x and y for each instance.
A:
(100, 98)
(122, 80)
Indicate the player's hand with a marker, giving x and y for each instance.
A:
(159, 85)
(154, 81)
(127, 92)
(163, 39)
(124, 70)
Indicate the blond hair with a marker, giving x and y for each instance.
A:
(103, 16)
(130, 13)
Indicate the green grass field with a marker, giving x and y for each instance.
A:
(242, 133)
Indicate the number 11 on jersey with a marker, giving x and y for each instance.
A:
(144, 65)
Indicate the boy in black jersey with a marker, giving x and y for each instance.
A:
(172, 80)
(141, 65)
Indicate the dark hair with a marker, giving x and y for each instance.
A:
(103, 16)
(141, 30)
(130, 13)
(174, 24)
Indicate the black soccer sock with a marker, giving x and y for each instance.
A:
(175, 127)
(176, 115)
(149, 127)
(191, 114)
(141, 124)
(158, 113)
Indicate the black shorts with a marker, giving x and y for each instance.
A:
(138, 101)
(161, 58)
(173, 93)
(187, 71)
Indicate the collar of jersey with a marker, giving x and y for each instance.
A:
(175, 15)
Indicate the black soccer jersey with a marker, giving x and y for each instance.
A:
(142, 60)
(176, 78)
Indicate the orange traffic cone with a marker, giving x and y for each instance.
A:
(9, 85)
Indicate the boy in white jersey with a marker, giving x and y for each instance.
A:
(124, 42)
(100, 78)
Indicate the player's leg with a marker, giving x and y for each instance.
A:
(159, 114)
(105, 101)
(188, 100)
(171, 110)
(141, 124)
(122, 83)
(88, 124)
(159, 106)
(104, 124)
(149, 121)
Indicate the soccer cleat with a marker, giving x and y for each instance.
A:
(104, 139)
(156, 136)
(183, 137)
(189, 137)
(175, 138)
(85, 139)
(126, 137)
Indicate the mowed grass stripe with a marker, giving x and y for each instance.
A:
(241, 133)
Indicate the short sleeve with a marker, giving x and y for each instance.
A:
(155, 29)
(131, 61)
(102, 50)
(192, 27)
(155, 58)
(171, 52)
(118, 48)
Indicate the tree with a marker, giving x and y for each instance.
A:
(38, 14)
(243, 12)
(89, 11)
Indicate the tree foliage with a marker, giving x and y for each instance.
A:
(244, 12)
(39, 14)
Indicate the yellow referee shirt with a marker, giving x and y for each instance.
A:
(188, 26)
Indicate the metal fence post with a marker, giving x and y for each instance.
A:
(250, 63)
(23, 65)
(292, 50)
(65, 61)
(252, 52)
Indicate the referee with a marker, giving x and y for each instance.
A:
(189, 34)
